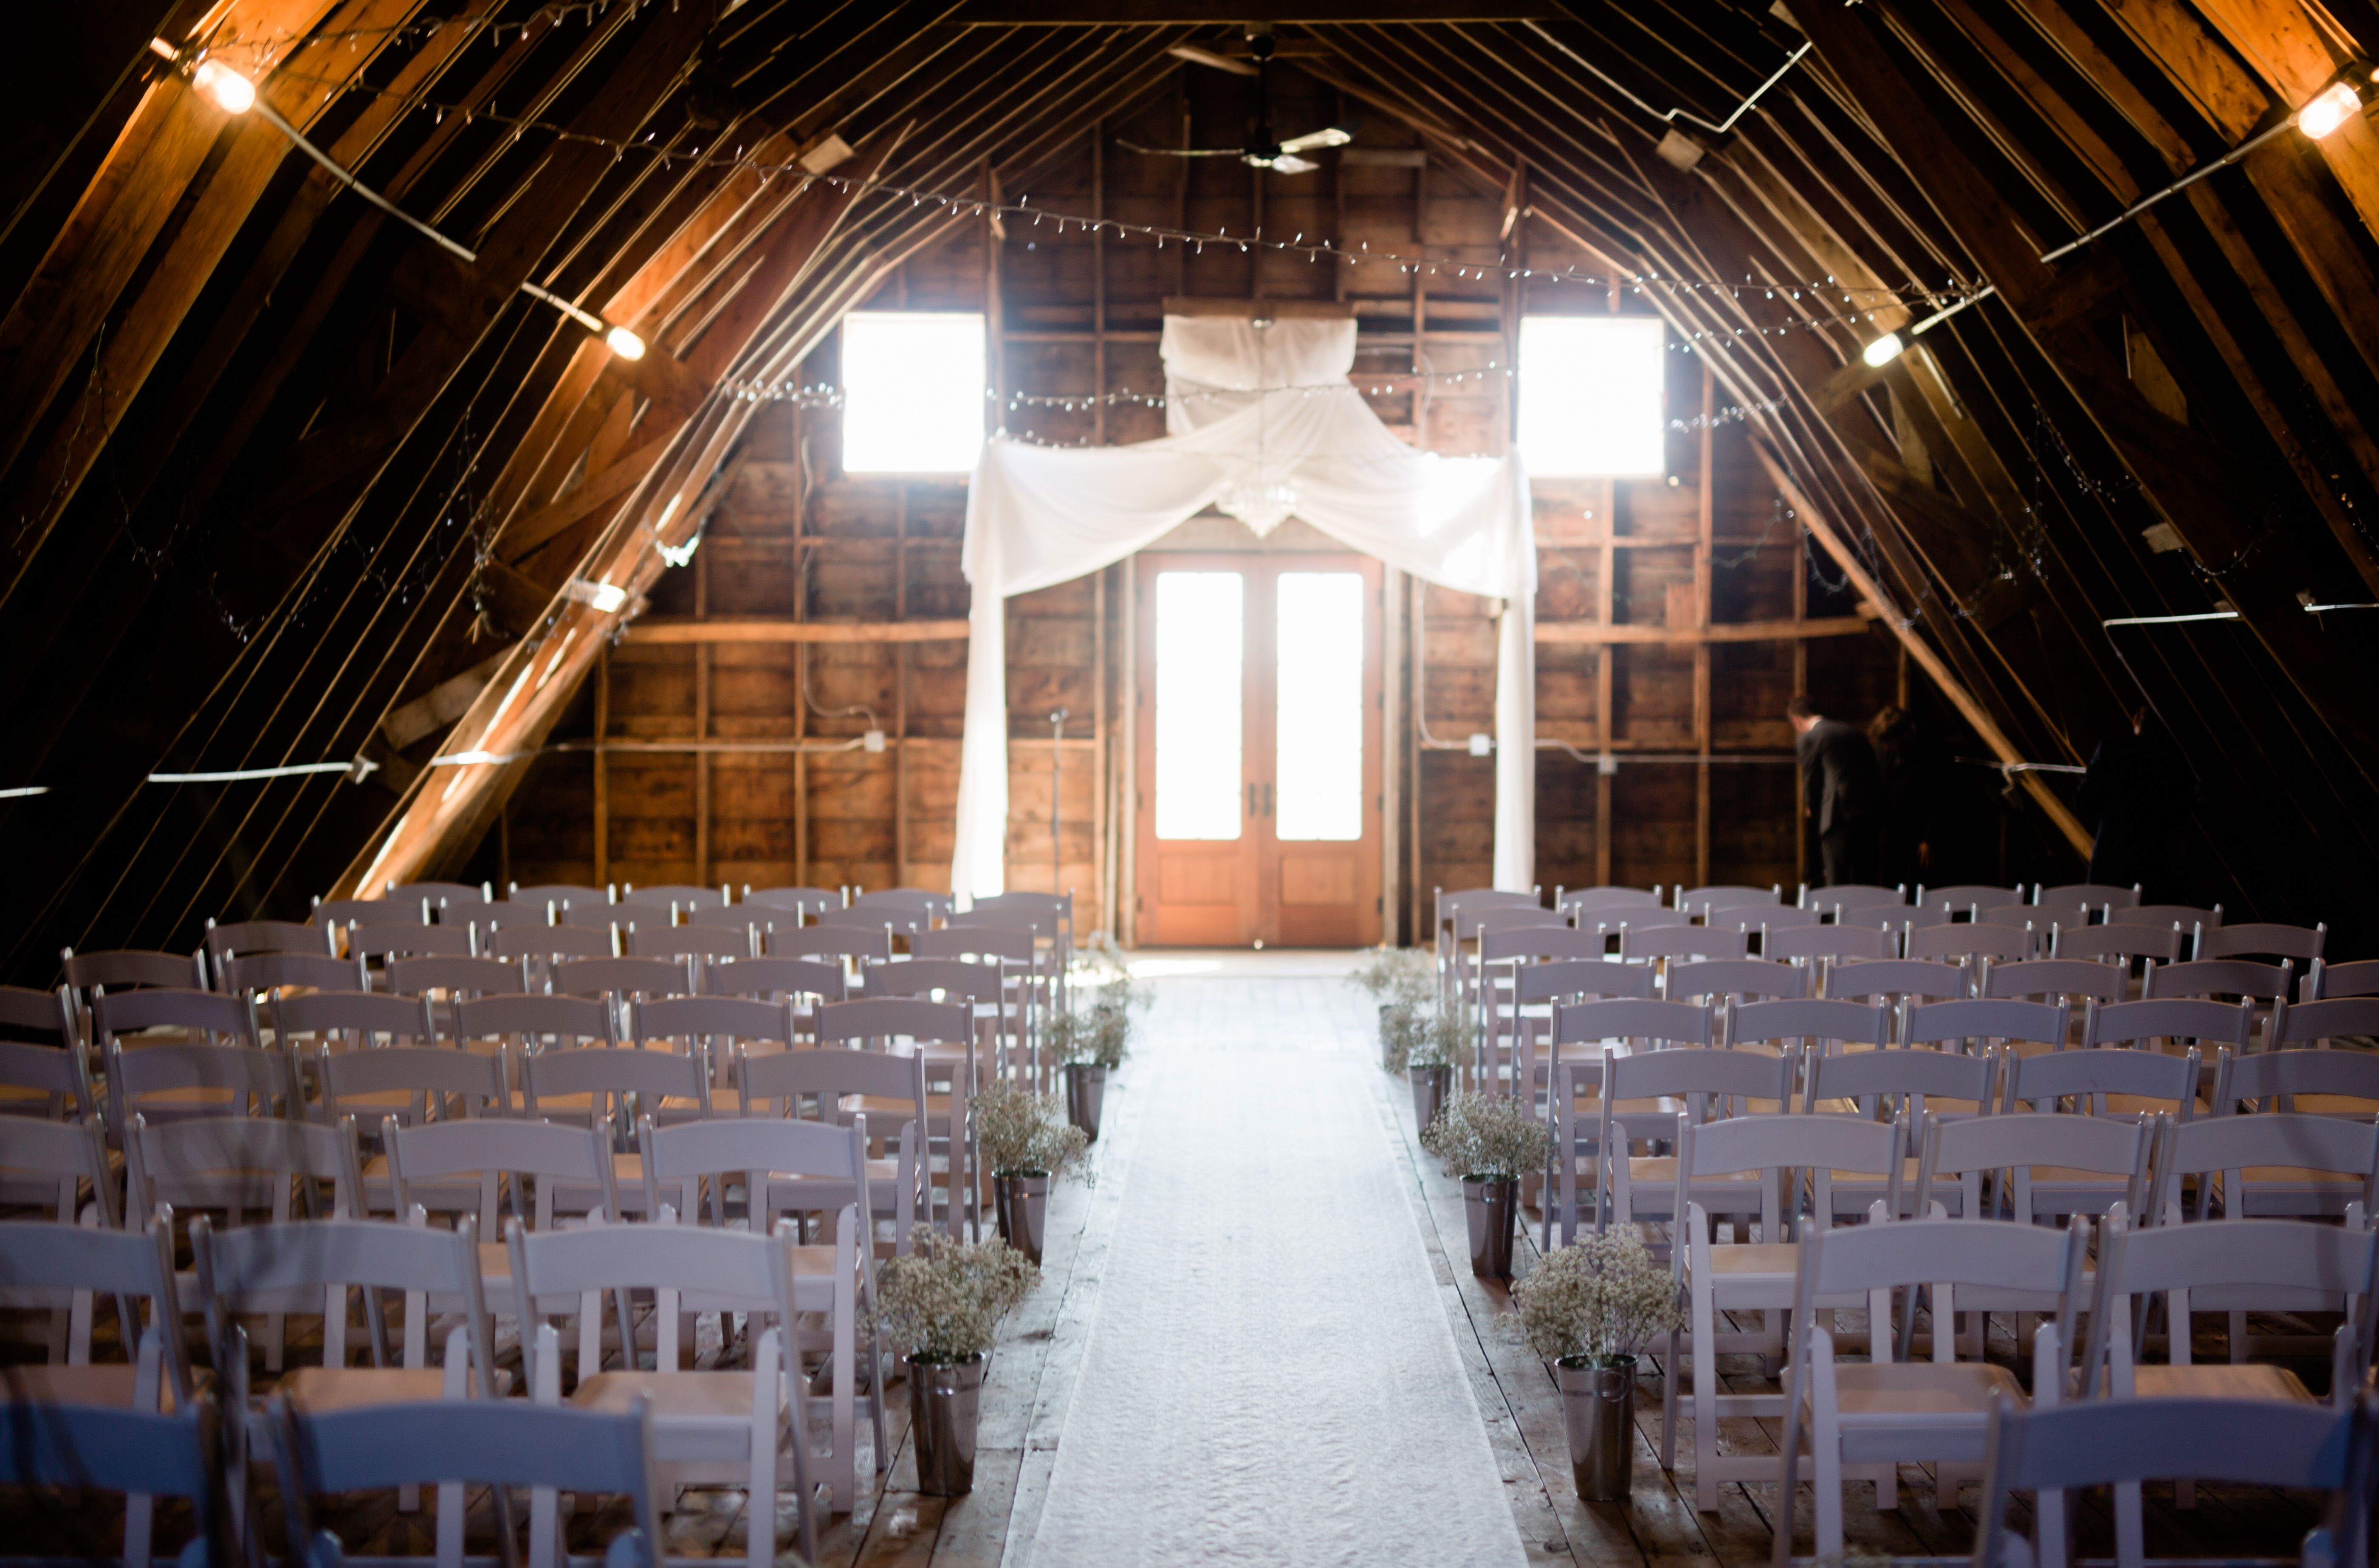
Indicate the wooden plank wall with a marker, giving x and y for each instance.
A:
(1696, 788)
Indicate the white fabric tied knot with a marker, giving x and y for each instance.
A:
(1260, 418)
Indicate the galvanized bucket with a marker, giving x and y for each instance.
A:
(1429, 1086)
(1599, 1405)
(943, 1407)
(1491, 1207)
(1023, 1204)
(1086, 1089)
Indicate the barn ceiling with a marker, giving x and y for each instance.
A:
(276, 466)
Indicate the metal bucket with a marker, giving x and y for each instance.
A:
(1086, 1089)
(944, 1397)
(1023, 1204)
(1491, 1208)
(1428, 1086)
(1599, 1405)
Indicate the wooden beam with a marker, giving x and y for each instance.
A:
(1595, 634)
(1203, 13)
(770, 629)
(1821, 528)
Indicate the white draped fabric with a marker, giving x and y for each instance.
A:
(1262, 423)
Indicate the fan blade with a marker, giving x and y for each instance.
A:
(1291, 163)
(1179, 151)
(1330, 136)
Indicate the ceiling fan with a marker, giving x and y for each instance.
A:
(1261, 150)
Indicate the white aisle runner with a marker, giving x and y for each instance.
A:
(1269, 1378)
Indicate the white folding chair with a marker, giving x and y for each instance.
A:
(1884, 1411)
(838, 1087)
(1577, 1098)
(941, 1036)
(1772, 1151)
(58, 1446)
(1920, 1087)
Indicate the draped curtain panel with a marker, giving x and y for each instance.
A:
(1262, 424)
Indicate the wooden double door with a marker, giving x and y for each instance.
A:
(1258, 763)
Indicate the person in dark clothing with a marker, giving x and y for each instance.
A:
(2133, 797)
(1841, 793)
(1917, 792)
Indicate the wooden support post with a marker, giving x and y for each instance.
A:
(1703, 608)
(900, 690)
(801, 652)
(702, 657)
(1607, 505)
(602, 771)
(1800, 689)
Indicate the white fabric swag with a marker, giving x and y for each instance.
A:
(1260, 422)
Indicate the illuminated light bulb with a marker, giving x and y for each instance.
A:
(608, 597)
(625, 344)
(1883, 350)
(232, 93)
(2331, 108)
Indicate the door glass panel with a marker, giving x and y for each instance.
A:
(1321, 706)
(1199, 654)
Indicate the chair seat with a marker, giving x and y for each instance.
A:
(110, 1386)
(1782, 1258)
(1842, 1177)
(675, 1396)
(2220, 1379)
(323, 1389)
(1920, 1393)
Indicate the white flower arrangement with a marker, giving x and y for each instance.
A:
(1597, 1302)
(1488, 1138)
(1021, 1133)
(1098, 1035)
(1422, 1036)
(943, 1301)
(1398, 977)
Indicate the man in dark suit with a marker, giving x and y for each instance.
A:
(1842, 791)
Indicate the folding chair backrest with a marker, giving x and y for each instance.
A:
(956, 980)
(1943, 1023)
(1606, 898)
(875, 917)
(1755, 918)
(1790, 1025)
(963, 940)
(271, 972)
(1468, 923)
(440, 1079)
(1611, 923)
(1848, 940)
(664, 895)
(1858, 905)
(1679, 942)
(778, 1082)
(2285, 1074)
(126, 1450)
(1674, 1023)
(1751, 979)
(258, 1268)
(796, 901)
(684, 1019)
(1573, 979)
(1727, 895)
(624, 977)
(130, 970)
(1875, 1077)
(1536, 942)
(38, 1017)
(774, 977)
(459, 894)
(2117, 944)
(1979, 940)
(55, 1078)
(2302, 942)
(2071, 979)
(2213, 1025)
(246, 1080)
(564, 1021)
(506, 1442)
(263, 936)
(545, 893)
(916, 900)
(207, 1014)
(1920, 978)
(2219, 977)
(2188, 917)
(2310, 1022)
(525, 941)
(390, 941)
(2242, 1265)
(2088, 1077)
(894, 1017)
(1755, 1143)
(735, 1268)
(607, 1077)
(1952, 1252)
(1965, 898)
(499, 1151)
(2285, 1139)
(358, 1019)
(458, 978)
(754, 1147)
(2111, 1146)
(2327, 980)
(595, 917)
(2086, 895)
(336, 915)
(652, 940)
(238, 1163)
(833, 942)
(1700, 1076)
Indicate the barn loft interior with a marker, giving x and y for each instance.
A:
(1043, 783)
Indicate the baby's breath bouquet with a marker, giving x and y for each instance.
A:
(1597, 1302)
(1021, 1133)
(1398, 977)
(1094, 1036)
(1488, 1138)
(1424, 1036)
(944, 1300)
(1100, 970)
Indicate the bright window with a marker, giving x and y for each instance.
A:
(912, 385)
(1319, 742)
(1198, 644)
(1590, 402)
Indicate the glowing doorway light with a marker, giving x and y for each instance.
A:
(1198, 652)
(1590, 402)
(913, 386)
